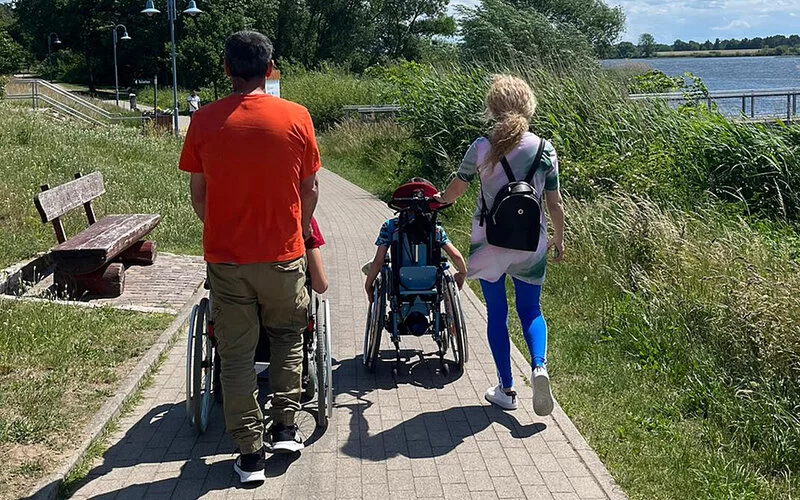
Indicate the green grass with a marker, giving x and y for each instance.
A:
(141, 176)
(100, 445)
(57, 363)
(674, 342)
(57, 366)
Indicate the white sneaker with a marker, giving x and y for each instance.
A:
(250, 467)
(505, 400)
(542, 396)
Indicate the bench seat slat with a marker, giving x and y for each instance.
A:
(101, 242)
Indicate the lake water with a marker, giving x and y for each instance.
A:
(732, 73)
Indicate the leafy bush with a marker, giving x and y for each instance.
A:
(3, 83)
(327, 91)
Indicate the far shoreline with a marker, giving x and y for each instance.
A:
(717, 53)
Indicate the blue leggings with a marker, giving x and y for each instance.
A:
(534, 328)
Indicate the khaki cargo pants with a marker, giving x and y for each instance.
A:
(238, 292)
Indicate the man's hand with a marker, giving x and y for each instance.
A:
(460, 279)
(369, 287)
(557, 244)
(307, 233)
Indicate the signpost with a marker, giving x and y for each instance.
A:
(154, 81)
(273, 86)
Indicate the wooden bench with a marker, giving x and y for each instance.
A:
(93, 261)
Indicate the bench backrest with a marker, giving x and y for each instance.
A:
(55, 202)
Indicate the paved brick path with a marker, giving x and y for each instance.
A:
(163, 287)
(425, 436)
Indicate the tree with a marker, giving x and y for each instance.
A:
(498, 30)
(626, 50)
(12, 55)
(600, 24)
(647, 45)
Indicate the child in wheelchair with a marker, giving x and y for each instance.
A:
(388, 231)
(409, 285)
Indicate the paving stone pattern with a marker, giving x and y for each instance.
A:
(422, 436)
(162, 287)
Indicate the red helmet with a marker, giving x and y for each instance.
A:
(409, 189)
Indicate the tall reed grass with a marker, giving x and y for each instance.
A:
(675, 328)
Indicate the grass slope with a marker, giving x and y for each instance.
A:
(58, 363)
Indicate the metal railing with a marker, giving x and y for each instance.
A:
(771, 99)
(371, 112)
(42, 93)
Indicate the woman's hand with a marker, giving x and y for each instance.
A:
(369, 287)
(439, 198)
(460, 278)
(557, 244)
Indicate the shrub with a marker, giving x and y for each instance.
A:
(327, 91)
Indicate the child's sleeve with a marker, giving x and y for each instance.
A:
(441, 236)
(385, 235)
(315, 240)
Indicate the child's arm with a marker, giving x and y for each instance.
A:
(319, 282)
(458, 262)
(375, 268)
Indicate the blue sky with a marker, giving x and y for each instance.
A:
(699, 20)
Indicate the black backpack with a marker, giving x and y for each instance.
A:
(514, 221)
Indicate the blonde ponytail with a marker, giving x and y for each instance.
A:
(511, 103)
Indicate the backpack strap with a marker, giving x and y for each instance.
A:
(484, 208)
(536, 161)
(507, 169)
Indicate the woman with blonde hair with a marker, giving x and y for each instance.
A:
(512, 152)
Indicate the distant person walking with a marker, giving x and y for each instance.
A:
(256, 208)
(194, 103)
(509, 155)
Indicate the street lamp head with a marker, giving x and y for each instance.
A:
(150, 9)
(192, 9)
(56, 41)
(125, 36)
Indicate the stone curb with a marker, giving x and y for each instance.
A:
(582, 448)
(48, 488)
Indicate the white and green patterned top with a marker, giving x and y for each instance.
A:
(488, 262)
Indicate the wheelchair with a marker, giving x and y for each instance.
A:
(203, 366)
(415, 292)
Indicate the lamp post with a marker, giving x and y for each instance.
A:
(191, 10)
(116, 75)
(51, 41)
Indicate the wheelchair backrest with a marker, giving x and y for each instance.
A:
(416, 254)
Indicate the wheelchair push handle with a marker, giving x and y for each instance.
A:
(420, 202)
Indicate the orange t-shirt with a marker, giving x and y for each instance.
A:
(254, 151)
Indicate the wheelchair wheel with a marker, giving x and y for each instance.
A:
(311, 376)
(374, 328)
(324, 365)
(199, 368)
(456, 325)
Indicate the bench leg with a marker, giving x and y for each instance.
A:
(106, 282)
(141, 253)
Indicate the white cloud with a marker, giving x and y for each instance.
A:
(732, 25)
(661, 18)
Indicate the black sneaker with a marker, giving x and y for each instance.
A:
(250, 467)
(285, 439)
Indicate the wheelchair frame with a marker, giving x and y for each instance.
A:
(448, 327)
(203, 367)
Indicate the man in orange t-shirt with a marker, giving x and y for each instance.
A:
(253, 160)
